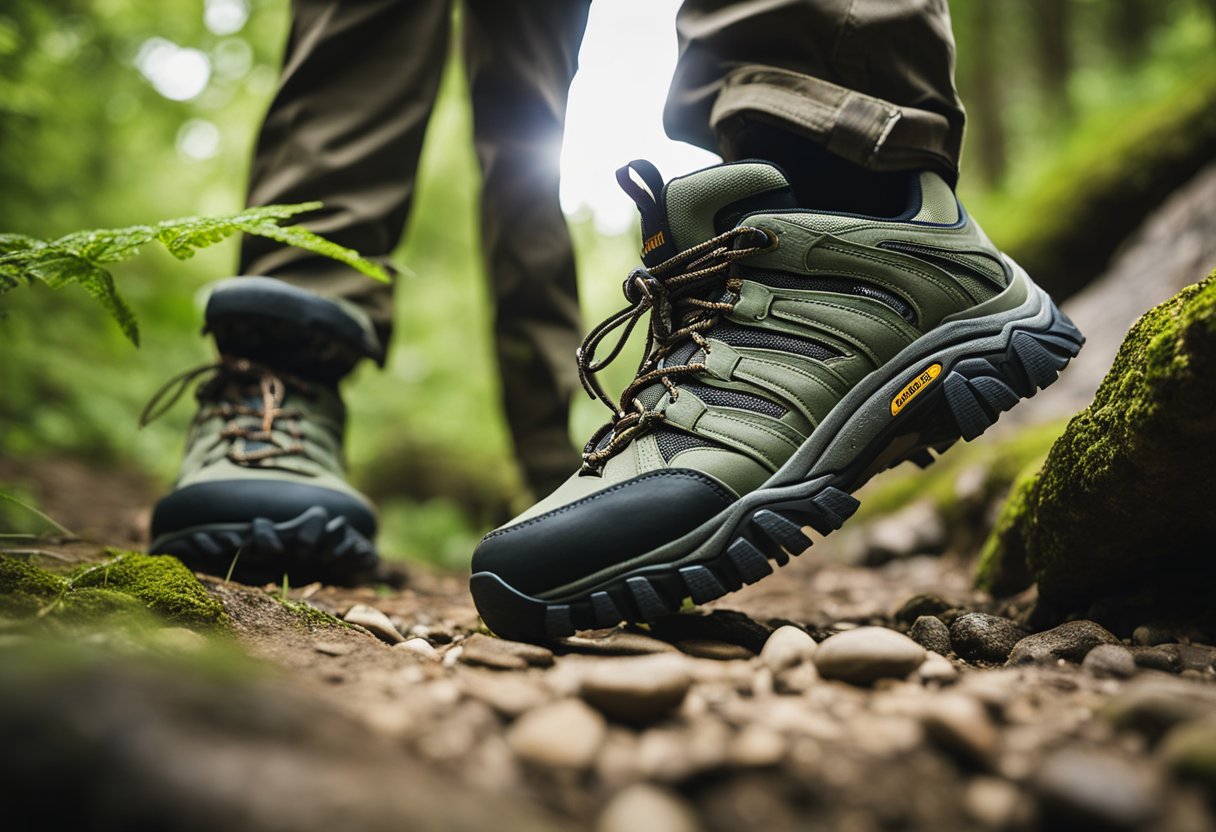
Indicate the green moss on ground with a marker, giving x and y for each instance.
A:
(126, 587)
(995, 573)
(1123, 508)
(161, 582)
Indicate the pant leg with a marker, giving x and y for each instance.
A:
(872, 81)
(521, 56)
(346, 126)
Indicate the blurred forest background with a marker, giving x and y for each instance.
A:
(92, 135)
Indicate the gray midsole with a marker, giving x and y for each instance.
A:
(851, 425)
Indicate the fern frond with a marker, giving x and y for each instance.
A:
(79, 257)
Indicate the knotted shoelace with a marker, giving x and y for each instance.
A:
(678, 293)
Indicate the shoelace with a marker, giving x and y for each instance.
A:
(230, 378)
(677, 315)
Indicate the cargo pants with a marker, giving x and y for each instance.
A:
(869, 81)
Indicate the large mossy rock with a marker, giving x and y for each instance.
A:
(1120, 523)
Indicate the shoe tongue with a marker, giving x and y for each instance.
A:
(691, 209)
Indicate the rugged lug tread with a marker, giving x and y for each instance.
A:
(650, 604)
(310, 547)
(969, 414)
(703, 585)
(782, 531)
(749, 562)
(995, 393)
(604, 610)
(558, 621)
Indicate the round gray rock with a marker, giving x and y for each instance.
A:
(637, 689)
(1110, 661)
(563, 735)
(646, 807)
(1071, 642)
(979, 637)
(1092, 790)
(868, 653)
(930, 633)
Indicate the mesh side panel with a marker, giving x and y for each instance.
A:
(736, 335)
(718, 397)
(978, 273)
(672, 442)
(839, 285)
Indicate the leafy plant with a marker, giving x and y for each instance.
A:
(80, 258)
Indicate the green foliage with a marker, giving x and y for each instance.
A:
(79, 258)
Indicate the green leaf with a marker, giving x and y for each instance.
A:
(301, 237)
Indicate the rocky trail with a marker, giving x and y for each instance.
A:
(865, 686)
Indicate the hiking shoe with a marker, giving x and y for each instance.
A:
(261, 493)
(791, 355)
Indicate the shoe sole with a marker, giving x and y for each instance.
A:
(313, 546)
(979, 374)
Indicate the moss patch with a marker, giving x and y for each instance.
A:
(25, 589)
(161, 582)
(1123, 507)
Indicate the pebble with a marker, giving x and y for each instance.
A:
(1110, 661)
(419, 647)
(375, 622)
(992, 802)
(756, 746)
(868, 653)
(1070, 641)
(718, 650)
(1155, 704)
(508, 694)
(500, 654)
(1149, 635)
(563, 735)
(787, 647)
(960, 724)
(919, 605)
(1190, 750)
(937, 668)
(930, 633)
(1160, 657)
(979, 637)
(1089, 789)
(618, 643)
(637, 689)
(646, 807)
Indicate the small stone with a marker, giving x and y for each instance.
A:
(930, 633)
(419, 647)
(961, 725)
(787, 647)
(937, 668)
(992, 802)
(756, 746)
(798, 679)
(1088, 789)
(1110, 661)
(618, 643)
(717, 650)
(978, 637)
(500, 654)
(331, 648)
(1149, 635)
(637, 689)
(179, 640)
(563, 735)
(646, 807)
(375, 622)
(1155, 704)
(1161, 657)
(868, 653)
(1197, 657)
(509, 695)
(919, 605)
(1190, 750)
(1071, 642)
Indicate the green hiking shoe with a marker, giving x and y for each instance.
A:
(261, 493)
(792, 354)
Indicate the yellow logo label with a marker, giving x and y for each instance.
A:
(651, 243)
(913, 388)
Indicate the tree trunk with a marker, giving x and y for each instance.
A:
(984, 99)
(1053, 45)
